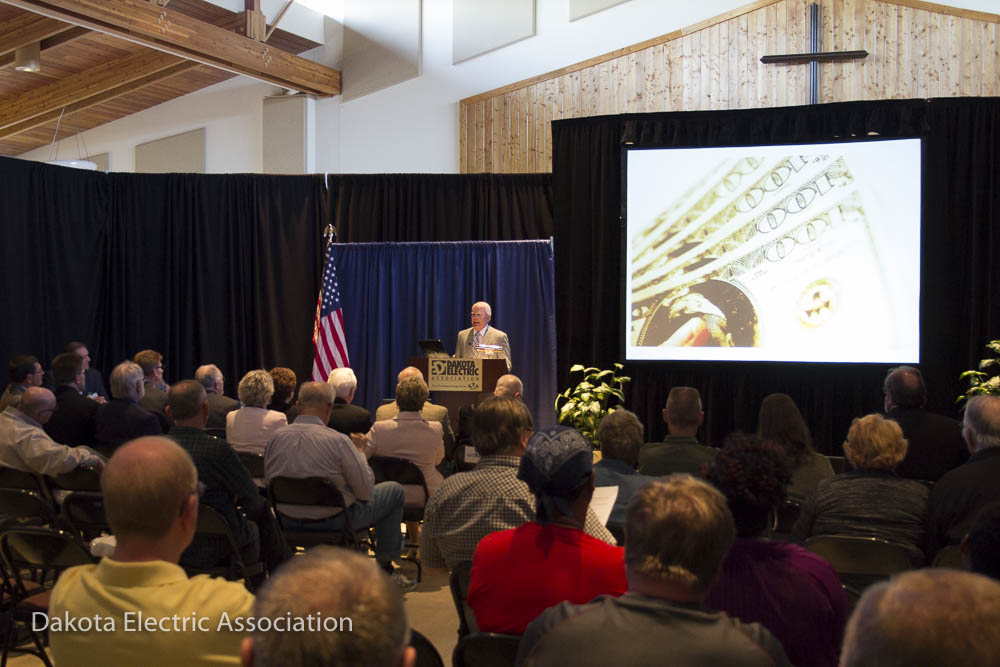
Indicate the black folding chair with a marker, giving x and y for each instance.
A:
(212, 525)
(427, 655)
(45, 552)
(21, 479)
(458, 581)
(20, 507)
(861, 561)
(84, 478)
(84, 511)
(486, 649)
(310, 492)
(406, 472)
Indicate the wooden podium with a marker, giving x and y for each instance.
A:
(455, 400)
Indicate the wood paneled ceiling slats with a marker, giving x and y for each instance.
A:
(93, 78)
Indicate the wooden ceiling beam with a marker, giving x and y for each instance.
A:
(172, 32)
(97, 98)
(36, 107)
(26, 29)
(68, 35)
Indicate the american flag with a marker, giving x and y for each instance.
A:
(328, 332)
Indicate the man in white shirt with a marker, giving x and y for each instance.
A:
(24, 445)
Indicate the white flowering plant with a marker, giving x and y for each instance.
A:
(986, 378)
(584, 405)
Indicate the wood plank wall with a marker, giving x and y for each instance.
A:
(917, 50)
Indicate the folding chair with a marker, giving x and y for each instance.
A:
(211, 524)
(486, 649)
(310, 492)
(406, 472)
(84, 511)
(84, 478)
(427, 655)
(861, 561)
(458, 581)
(45, 552)
(20, 507)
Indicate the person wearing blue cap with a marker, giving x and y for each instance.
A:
(520, 572)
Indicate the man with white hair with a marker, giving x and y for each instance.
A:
(122, 418)
(481, 333)
(25, 446)
(962, 492)
(344, 417)
(219, 405)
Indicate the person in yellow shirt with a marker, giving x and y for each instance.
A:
(139, 606)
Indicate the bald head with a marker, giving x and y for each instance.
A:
(38, 403)
(904, 388)
(508, 386)
(409, 372)
(926, 618)
(145, 484)
(316, 399)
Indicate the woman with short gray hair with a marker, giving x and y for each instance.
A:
(250, 428)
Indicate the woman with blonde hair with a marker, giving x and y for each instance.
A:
(870, 500)
(250, 428)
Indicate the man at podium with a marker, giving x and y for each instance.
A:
(482, 340)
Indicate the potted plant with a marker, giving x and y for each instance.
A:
(584, 405)
(986, 379)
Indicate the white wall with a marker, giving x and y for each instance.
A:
(412, 126)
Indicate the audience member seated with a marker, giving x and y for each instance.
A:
(154, 397)
(347, 418)
(790, 591)
(25, 446)
(94, 386)
(677, 533)
(780, 421)
(471, 505)
(981, 547)
(870, 500)
(520, 572)
(250, 428)
(150, 489)
(337, 586)
(620, 435)
(307, 448)
(229, 490)
(24, 371)
(122, 418)
(960, 494)
(408, 436)
(507, 386)
(430, 412)
(680, 451)
(219, 405)
(926, 618)
(74, 422)
(935, 442)
(285, 383)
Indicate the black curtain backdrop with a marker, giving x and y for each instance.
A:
(220, 269)
(441, 207)
(959, 261)
(205, 269)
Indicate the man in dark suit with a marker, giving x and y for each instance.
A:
(74, 422)
(154, 397)
(935, 442)
(122, 418)
(344, 417)
(219, 405)
(94, 384)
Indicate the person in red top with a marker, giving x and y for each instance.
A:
(518, 573)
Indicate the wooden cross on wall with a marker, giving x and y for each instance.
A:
(814, 57)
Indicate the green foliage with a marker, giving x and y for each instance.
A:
(584, 405)
(986, 378)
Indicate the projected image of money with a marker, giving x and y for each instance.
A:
(774, 253)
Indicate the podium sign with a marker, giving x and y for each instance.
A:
(455, 374)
